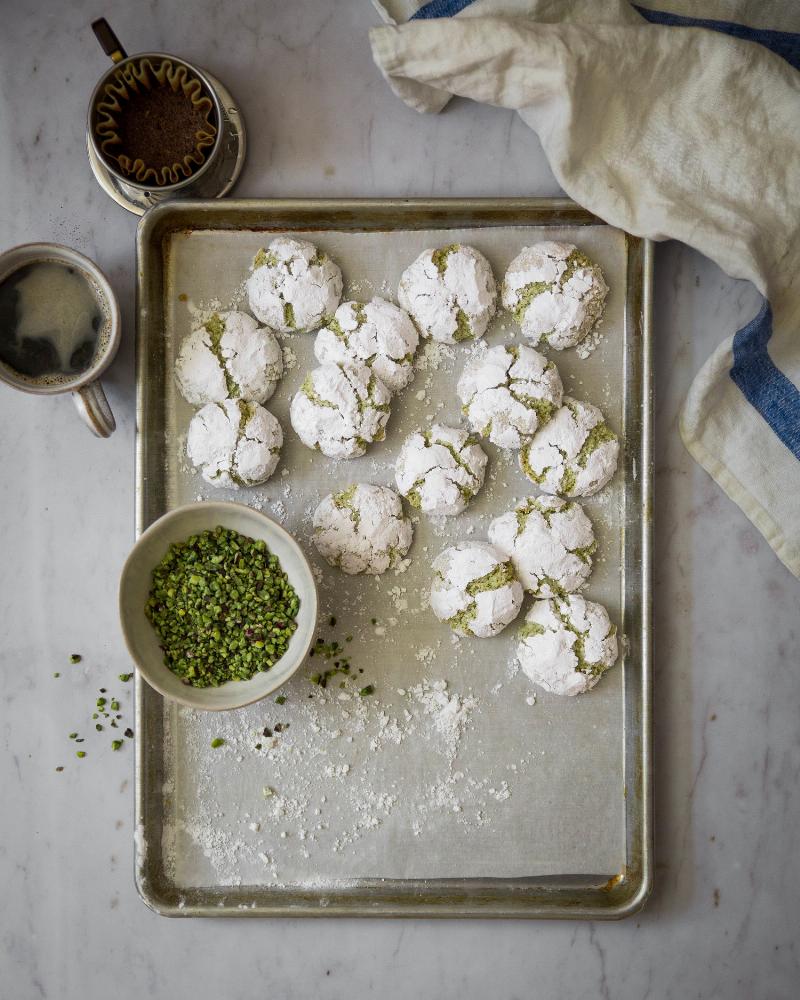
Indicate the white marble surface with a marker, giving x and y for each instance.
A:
(723, 919)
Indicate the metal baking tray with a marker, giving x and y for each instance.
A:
(463, 872)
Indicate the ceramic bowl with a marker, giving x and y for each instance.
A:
(141, 638)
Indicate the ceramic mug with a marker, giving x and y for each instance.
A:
(85, 387)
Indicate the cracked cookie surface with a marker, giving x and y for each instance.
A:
(575, 454)
(293, 287)
(234, 443)
(440, 470)
(475, 589)
(567, 644)
(340, 410)
(362, 529)
(377, 334)
(450, 293)
(229, 357)
(508, 392)
(555, 292)
(550, 541)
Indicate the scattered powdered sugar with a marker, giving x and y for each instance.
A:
(450, 713)
(318, 742)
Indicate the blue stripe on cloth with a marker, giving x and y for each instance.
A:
(785, 44)
(764, 386)
(441, 8)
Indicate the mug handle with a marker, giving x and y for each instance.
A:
(93, 407)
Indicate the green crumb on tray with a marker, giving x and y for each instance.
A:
(281, 699)
(116, 744)
(369, 689)
(75, 658)
(218, 741)
(222, 607)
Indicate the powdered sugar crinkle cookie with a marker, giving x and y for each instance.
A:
(475, 589)
(450, 293)
(567, 644)
(362, 529)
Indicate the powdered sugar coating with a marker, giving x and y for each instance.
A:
(440, 470)
(340, 410)
(230, 356)
(293, 287)
(574, 454)
(362, 529)
(550, 541)
(475, 589)
(508, 392)
(556, 293)
(450, 293)
(567, 644)
(377, 334)
(234, 443)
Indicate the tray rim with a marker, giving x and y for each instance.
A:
(560, 897)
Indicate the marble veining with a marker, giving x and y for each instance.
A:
(722, 921)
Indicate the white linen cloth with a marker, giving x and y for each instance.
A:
(667, 131)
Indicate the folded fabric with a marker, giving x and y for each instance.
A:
(669, 132)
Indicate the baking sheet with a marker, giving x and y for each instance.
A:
(380, 787)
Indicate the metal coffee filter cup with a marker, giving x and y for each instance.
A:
(222, 161)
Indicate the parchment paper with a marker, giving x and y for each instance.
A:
(528, 789)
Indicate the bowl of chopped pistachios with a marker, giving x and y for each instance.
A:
(218, 605)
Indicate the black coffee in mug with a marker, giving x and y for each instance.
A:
(52, 321)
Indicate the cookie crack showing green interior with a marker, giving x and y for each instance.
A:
(215, 327)
(575, 260)
(568, 481)
(344, 501)
(307, 388)
(246, 411)
(460, 622)
(594, 669)
(542, 407)
(463, 327)
(439, 257)
(526, 295)
(529, 629)
(501, 575)
(371, 387)
(524, 511)
(288, 315)
(430, 440)
(265, 258)
(598, 435)
(585, 553)
(413, 496)
(556, 589)
(527, 468)
(336, 328)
